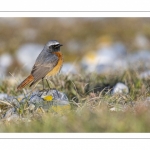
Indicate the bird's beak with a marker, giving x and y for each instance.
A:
(58, 45)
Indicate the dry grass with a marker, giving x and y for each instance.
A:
(93, 108)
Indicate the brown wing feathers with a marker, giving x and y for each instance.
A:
(28, 80)
(43, 65)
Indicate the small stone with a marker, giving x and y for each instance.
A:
(117, 109)
(145, 75)
(15, 102)
(113, 109)
(68, 68)
(3, 96)
(13, 117)
(35, 99)
(46, 99)
(31, 107)
(120, 88)
(148, 99)
(9, 112)
(20, 97)
(28, 53)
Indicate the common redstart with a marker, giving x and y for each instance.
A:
(48, 63)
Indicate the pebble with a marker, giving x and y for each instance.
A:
(120, 88)
(3, 96)
(106, 58)
(141, 41)
(9, 112)
(144, 75)
(13, 117)
(28, 53)
(5, 62)
(68, 68)
(31, 107)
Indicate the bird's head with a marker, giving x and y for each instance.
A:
(53, 46)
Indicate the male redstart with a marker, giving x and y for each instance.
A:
(48, 63)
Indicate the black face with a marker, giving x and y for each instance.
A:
(55, 48)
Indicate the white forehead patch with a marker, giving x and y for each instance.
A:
(52, 42)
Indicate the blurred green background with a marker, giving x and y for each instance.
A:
(78, 35)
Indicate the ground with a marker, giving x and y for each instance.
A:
(93, 106)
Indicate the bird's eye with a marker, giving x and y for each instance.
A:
(51, 47)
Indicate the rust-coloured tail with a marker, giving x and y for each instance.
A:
(28, 80)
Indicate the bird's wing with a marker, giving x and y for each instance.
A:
(43, 65)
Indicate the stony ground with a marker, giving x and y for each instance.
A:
(83, 103)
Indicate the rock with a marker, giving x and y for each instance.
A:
(31, 107)
(3, 96)
(28, 53)
(74, 46)
(36, 100)
(5, 62)
(106, 58)
(15, 102)
(90, 61)
(20, 97)
(120, 88)
(144, 75)
(146, 102)
(10, 99)
(148, 99)
(9, 113)
(56, 98)
(141, 41)
(109, 54)
(55, 94)
(118, 108)
(140, 58)
(13, 117)
(46, 99)
(68, 68)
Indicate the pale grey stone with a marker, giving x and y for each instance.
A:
(120, 88)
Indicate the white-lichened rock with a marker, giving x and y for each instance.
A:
(3, 96)
(141, 41)
(120, 88)
(139, 57)
(68, 68)
(144, 75)
(5, 62)
(107, 56)
(28, 53)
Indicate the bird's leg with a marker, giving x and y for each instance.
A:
(43, 85)
(56, 92)
(48, 84)
(52, 88)
(43, 88)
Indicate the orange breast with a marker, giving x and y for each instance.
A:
(57, 68)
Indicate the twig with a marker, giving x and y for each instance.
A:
(6, 103)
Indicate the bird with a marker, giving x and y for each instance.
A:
(48, 63)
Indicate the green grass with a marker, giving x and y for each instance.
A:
(90, 102)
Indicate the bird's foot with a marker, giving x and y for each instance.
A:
(42, 91)
(56, 91)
